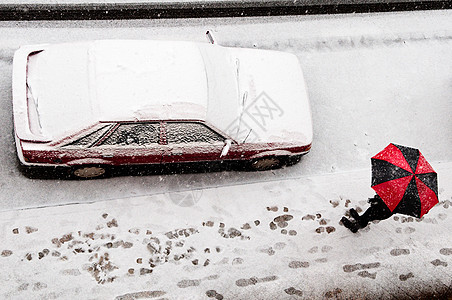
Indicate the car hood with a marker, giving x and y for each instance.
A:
(274, 100)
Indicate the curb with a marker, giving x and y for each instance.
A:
(109, 11)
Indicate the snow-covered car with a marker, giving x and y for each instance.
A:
(93, 105)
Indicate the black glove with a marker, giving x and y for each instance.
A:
(374, 200)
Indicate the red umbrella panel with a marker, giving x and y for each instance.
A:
(404, 180)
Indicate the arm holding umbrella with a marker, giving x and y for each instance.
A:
(377, 211)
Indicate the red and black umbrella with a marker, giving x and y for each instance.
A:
(404, 180)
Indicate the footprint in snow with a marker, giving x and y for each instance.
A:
(246, 226)
(272, 208)
(23, 287)
(43, 253)
(271, 250)
(281, 221)
(293, 291)
(326, 248)
(237, 261)
(333, 294)
(405, 277)
(366, 274)
(398, 252)
(334, 203)
(438, 262)
(135, 231)
(70, 272)
(232, 233)
(254, 280)
(208, 223)
(446, 251)
(214, 294)
(308, 217)
(39, 286)
(355, 267)
(314, 249)
(112, 223)
(6, 253)
(327, 229)
(29, 229)
(298, 264)
(188, 283)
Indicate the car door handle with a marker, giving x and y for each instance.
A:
(107, 155)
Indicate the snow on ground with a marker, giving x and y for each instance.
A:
(269, 240)
(368, 78)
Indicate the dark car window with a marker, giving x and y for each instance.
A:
(134, 134)
(190, 132)
(91, 138)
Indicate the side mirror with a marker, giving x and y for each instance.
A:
(227, 146)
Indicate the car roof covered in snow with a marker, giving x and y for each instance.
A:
(76, 84)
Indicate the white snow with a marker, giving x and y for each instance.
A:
(130, 75)
(276, 106)
(74, 85)
(372, 79)
(259, 241)
(81, 83)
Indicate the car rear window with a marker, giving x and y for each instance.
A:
(190, 132)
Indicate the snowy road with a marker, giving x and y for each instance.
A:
(371, 79)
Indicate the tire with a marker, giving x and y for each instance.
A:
(89, 172)
(266, 163)
(293, 160)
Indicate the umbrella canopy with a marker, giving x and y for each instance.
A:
(404, 180)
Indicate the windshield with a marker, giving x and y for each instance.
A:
(223, 107)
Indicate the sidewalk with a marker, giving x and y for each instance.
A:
(270, 240)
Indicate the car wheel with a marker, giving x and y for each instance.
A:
(87, 172)
(266, 163)
(293, 160)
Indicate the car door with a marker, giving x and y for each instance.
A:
(132, 143)
(80, 148)
(190, 142)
